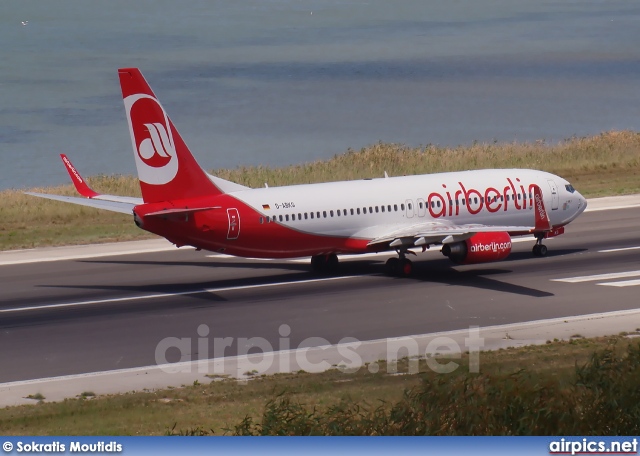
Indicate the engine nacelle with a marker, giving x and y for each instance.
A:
(480, 248)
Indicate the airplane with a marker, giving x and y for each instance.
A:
(472, 215)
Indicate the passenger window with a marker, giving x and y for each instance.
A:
(358, 210)
(364, 210)
(311, 214)
(299, 216)
(280, 217)
(370, 210)
(395, 207)
(331, 212)
(324, 213)
(409, 206)
(286, 217)
(318, 214)
(464, 202)
(402, 207)
(351, 211)
(389, 207)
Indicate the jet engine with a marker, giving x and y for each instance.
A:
(480, 248)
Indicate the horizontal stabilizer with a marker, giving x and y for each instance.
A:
(178, 211)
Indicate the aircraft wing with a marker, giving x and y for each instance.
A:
(114, 203)
(437, 232)
(431, 232)
(114, 206)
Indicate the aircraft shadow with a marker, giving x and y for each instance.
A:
(475, 278)
(429, 270)
(439, 270)
(517, 256)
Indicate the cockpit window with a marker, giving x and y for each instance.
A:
(570, 188)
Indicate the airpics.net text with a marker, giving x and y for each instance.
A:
(207, 354)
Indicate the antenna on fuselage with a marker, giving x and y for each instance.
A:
(266, 185)
(386, 176)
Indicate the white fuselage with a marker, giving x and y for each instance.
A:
(361, 208)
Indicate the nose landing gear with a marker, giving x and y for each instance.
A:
(539, 249)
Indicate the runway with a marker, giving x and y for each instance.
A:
(97, 314)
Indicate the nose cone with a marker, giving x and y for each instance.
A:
(575, 205)
(582, 203)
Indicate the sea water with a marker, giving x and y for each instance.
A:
(278, 82)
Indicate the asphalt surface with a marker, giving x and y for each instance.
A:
(108, 313)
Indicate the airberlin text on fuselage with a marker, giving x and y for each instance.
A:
(493, 199)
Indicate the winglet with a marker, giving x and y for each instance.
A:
(78, 181)
(542, 217)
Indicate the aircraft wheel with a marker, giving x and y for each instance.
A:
(540, 250)
(331, 262)
(324, 264)
(318, 263)
(392, 266)
(406, 267)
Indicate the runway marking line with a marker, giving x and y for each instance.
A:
(596, 277)
(622, 249)
(180, 293)
(622, 283)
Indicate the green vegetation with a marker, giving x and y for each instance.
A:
(607, 164)
(576, 387)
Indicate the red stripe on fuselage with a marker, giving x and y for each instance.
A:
(209, 230)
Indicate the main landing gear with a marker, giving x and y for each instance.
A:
(324, 264)
(539, 249)
(401, 266)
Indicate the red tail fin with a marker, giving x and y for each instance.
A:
(542, 217)
(166, 168)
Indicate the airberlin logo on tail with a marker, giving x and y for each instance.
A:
(154, 151)
(152, 139)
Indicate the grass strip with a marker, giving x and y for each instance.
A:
(606, 164)
(576, 387)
